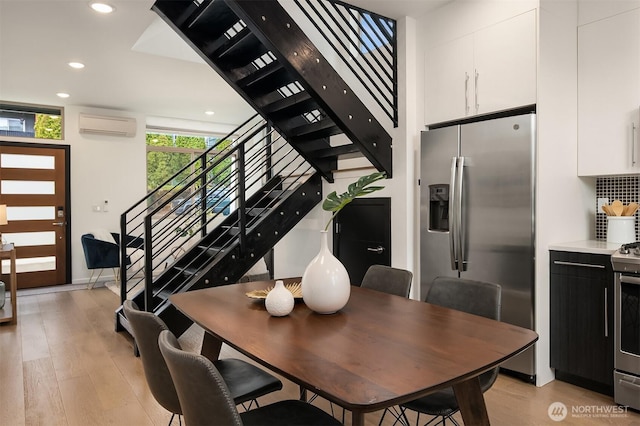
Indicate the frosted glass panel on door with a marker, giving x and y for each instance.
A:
(22, 239)
(31, 213)
(31, 264)
(32, 187)
(22, 161)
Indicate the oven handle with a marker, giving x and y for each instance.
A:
(629, 280)
(584, 265)
(606, 314)
(628, 384)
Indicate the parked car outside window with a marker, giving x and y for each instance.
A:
(216, 200)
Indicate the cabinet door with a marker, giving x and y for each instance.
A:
(505, 65)
(581, 314)
(491, 70)
(609, 96)
(448, 82)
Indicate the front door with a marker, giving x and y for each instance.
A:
(362, 236)
(34, 184)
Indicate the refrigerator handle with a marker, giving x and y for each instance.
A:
(458, 217)
(452, 215)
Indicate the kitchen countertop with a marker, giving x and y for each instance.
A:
(587, 246)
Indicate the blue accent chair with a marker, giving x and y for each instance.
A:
(100, 254)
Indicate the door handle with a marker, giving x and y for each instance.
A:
(452, 222)
(377, 250)
(459, 221)
(59, 223)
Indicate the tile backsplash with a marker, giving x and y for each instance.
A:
(623, 188)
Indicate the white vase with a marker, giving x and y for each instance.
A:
(325, 283)
(279, 301)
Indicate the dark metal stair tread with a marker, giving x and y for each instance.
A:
(342, 151)
(216, 48)
(319, 129)
(277, 193)
(243, 40)
(210, 249)
(188, 270)
(176, 11)
(213, 14)
(241, 52)
(260, 74)
(257, 211)
(291, 106)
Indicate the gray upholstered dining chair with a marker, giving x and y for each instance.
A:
(206, 399)
(246, 381)
(388, 280)
(474, 297)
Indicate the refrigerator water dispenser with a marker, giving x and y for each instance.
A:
(439, 207)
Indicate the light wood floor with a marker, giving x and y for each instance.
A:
(63, 364)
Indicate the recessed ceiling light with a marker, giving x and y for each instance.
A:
(209, 112)
(76, 65)
(102, 7)
(62, 95)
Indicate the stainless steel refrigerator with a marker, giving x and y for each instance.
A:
(477, 213)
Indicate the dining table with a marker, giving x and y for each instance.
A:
(379, 351)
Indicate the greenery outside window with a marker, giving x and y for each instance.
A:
(31, 121)
(169, 152)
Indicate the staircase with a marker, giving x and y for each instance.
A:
(262, 53)
(269, 177)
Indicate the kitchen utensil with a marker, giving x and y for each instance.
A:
(617, 207)
(607, 210)
(630, 209)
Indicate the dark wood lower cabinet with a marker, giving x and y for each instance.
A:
(581, 290)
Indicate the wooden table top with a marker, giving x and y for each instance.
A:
(378, 351)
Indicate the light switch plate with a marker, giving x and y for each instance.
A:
(601, 202)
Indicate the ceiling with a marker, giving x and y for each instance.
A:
(134, 62)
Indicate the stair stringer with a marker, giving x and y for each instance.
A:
(275, 28)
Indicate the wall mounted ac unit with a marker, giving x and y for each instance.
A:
(109, 126)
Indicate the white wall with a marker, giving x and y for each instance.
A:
(557, 182)
(102, 168)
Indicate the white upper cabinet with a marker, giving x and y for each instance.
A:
(609, 96)
(490, 70)
(449, 80)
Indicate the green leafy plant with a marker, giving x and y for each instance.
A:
(334, 202)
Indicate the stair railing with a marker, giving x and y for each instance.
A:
(365, 42)
(175, 220)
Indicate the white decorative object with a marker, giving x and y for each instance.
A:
(279, 301)
(326, 286)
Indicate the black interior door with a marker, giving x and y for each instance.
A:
(362, 236)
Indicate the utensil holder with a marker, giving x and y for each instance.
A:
(621, 229)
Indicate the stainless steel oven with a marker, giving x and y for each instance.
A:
(626, 266)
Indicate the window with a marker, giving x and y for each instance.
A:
(374, 33)
(168, 153)
(31, 121)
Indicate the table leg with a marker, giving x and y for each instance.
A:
(211, 346)
(357, 418)
(471, 402)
